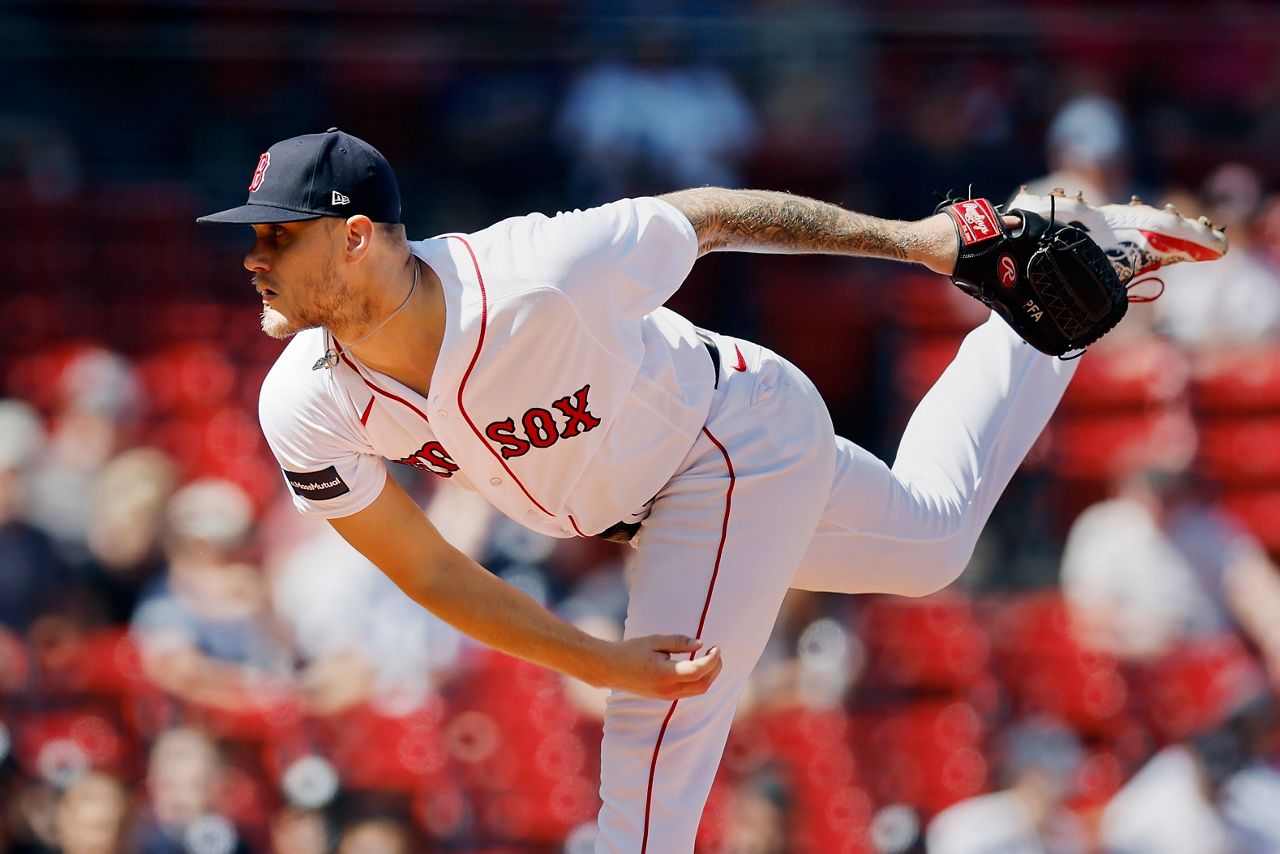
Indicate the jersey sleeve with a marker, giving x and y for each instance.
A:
(623, 259)
(329, 470)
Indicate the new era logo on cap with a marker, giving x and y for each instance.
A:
(313, 174)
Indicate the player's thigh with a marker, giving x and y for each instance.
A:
(717, 553)
(879, 534)
(724, 537)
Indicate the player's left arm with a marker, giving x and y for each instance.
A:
(1252, 589)
(769, 221)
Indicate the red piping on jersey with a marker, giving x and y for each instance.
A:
(484, 320)
(706, 605)
(576, 529)
(383, 392)
(364, 416)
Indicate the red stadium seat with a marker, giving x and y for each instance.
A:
(32, 321)
(36, 377)
(1135, 376)
(920, 362)
(1195, 687)
(1240, 383)
(189, 378)
(1104, 446)
(927, 303)
(521, 749)
(1243, 450)
(932, 643)
(55, 742)
(1045, 670)
(810, 751)
(927, 754)
(377, 752)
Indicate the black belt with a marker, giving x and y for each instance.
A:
(622, 532)
(713, 351)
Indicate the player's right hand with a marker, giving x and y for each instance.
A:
(660, 666)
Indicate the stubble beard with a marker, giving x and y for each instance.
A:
(276, 324)
(330, 302)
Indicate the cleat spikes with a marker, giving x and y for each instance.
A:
(1058, 191)
(1134, 200)
(1171, 208)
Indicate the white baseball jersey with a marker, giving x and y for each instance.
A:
(568, 431)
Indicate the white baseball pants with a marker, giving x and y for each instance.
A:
(769, 498)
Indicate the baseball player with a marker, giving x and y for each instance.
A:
(534, 362)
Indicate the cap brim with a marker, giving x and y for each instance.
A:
(254, 214)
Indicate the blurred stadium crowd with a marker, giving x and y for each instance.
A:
(188, 665)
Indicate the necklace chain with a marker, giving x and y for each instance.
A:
(330, 357)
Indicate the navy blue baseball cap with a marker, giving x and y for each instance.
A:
(314, 175)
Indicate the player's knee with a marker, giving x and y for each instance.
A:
(937, 566)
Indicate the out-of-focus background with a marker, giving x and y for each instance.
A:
(188, 665)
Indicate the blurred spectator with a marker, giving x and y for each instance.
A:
(1159, 565)
(205, 632)
(1235, 300)
(1207, 794)
(184, 773)
(31, 572)
(384, 835)
(126, 527)
(100, 409)
(653, 124)
(30, 809)
(299, 831)
(1268, 237)
(93, 816)
(1039, 760)
(1088, 150)
(814, 101)
(757, 818)
(359, 638)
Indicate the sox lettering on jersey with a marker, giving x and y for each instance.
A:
(432, 457)
(538, 427)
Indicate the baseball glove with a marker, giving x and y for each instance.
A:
(1049, 280)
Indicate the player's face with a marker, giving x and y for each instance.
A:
(296, 271)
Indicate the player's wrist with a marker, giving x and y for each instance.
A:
(933, 243)
(596, 662)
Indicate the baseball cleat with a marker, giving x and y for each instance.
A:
(1137, 237)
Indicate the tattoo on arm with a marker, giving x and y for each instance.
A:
(766, 221)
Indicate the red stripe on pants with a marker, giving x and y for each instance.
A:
(706, 605)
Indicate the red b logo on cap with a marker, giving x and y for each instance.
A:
(258, 174)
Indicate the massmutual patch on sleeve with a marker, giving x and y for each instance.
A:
(317, 485)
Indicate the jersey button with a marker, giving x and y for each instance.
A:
(442, 415)
(495, 481)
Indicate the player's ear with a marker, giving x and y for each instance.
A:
(359, 236)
